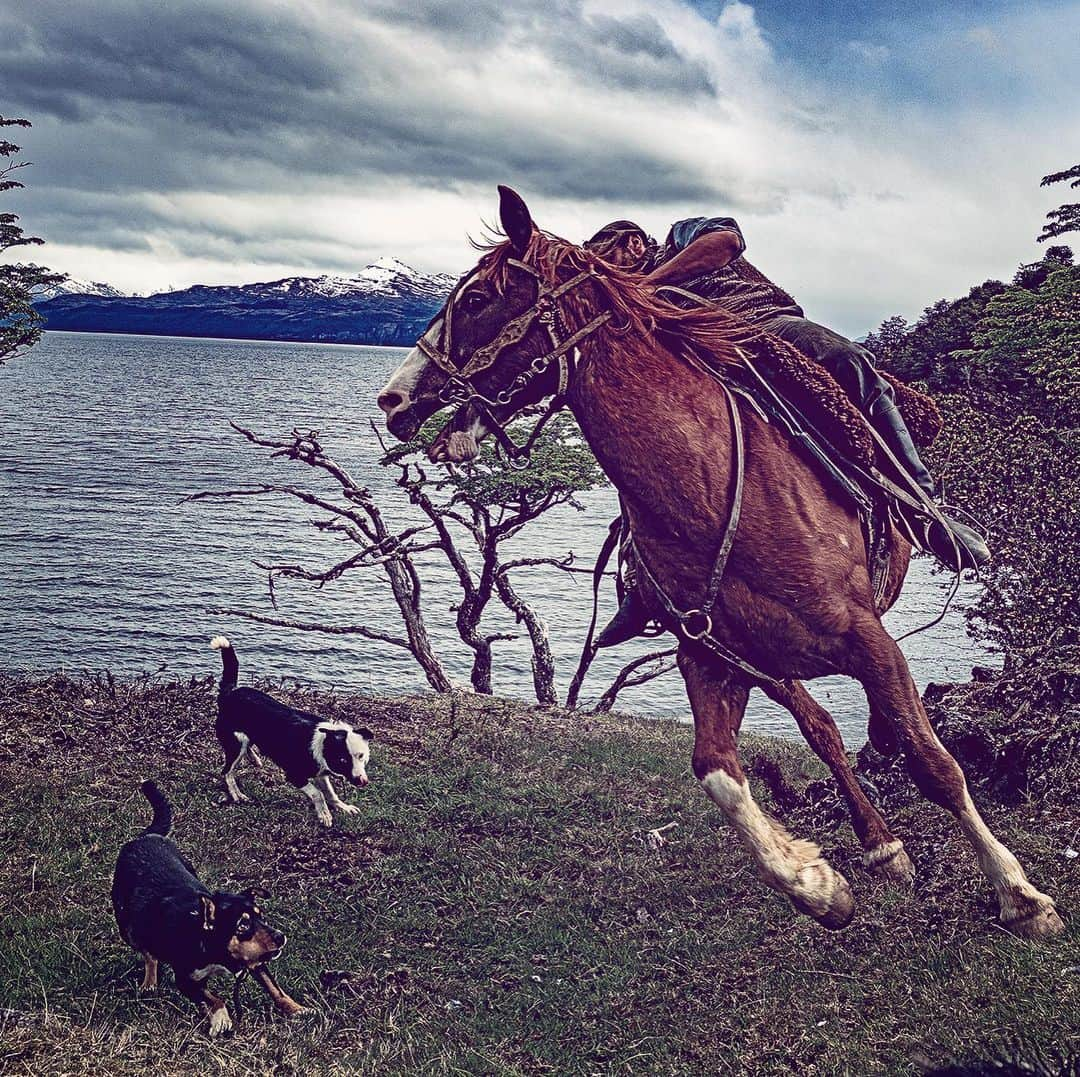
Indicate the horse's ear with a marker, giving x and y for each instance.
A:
(515, 218)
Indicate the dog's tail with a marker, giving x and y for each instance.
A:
(229, 665)
(162, 821)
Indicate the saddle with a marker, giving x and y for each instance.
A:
(796, 393)
(815, 394)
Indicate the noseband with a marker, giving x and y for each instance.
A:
(460, 387)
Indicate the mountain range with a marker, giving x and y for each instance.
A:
(387, 303)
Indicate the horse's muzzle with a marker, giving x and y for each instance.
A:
(403, 425)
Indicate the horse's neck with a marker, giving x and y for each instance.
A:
(660, 429)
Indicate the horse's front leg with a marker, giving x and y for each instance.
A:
(790, 865)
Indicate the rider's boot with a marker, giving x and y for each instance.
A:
(630, 621)
(957, 546)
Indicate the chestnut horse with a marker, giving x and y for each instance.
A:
(539, 317)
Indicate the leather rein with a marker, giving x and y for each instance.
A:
(460, 387)
(694, 625)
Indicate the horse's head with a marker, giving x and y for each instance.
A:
(489, 351)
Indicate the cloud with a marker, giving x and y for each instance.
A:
(868, 52)
(247, 138)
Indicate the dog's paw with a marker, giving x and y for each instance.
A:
(348, 809)
(220, 1022)
(325, 818)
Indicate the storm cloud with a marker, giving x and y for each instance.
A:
(193, 95)
(228, 140)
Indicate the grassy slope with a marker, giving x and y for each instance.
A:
(494, 905)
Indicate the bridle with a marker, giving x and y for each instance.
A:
(694, 625)
(460, 387)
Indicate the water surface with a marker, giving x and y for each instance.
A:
(104, 566)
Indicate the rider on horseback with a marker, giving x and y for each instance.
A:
(703, 256)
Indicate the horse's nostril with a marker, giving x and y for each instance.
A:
(391, 402)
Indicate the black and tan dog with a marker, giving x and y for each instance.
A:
(309, 749)
(166, 913)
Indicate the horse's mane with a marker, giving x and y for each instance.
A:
(637, 307)
(701, 334)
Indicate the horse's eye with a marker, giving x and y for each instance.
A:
(473, 301)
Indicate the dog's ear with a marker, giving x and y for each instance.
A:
(207, 910)
(366, 733)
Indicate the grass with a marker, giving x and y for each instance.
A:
(495, 909)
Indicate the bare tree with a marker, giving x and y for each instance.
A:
(468, 515)
(357, 517)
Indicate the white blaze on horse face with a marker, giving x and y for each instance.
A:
(399, 393)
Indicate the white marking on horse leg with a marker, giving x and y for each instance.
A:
(880, 853)
(1028, 910)
(790, 865)
(318, 803)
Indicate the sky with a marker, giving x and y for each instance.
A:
(878, 156)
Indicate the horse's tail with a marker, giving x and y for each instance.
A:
(230, 667)
(162, 820)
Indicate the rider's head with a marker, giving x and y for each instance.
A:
(622, 243)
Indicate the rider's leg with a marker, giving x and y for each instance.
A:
(630, 620)
(853, 368)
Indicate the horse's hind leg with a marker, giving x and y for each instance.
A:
(881, 733)
(794, 867)
(880, 666)
(883, 854)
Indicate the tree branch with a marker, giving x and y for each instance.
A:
(628, 678)
(309, 626)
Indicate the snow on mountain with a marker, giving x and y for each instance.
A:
(387, 276)
(73, 286)
(387, 302)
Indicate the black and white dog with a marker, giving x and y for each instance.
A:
(308, 748)
(168, 914)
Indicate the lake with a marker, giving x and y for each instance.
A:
(105, 567)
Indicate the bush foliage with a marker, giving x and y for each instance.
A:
(1005, 363)
(20, 323)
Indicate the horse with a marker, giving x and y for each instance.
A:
(783, 597)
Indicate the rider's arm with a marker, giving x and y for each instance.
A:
(699, 245)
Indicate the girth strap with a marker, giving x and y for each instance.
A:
(696, 625)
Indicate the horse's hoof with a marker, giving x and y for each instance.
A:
(891, 864)
(840, 909)
(1038, 920)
